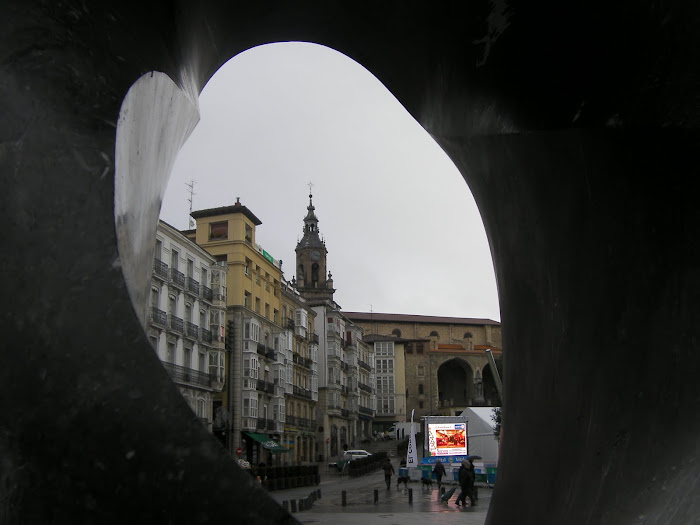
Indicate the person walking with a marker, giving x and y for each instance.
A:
(439, 470)
(466, 483)
(388, 469)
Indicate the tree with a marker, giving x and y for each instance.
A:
(496, 418)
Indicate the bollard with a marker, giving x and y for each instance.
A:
(344, 498)
(285, 505)
(410, 496)
(294, 505)
(318, 493)
(376, 495)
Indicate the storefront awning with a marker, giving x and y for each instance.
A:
(266, 442)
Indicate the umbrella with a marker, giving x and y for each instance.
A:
(472, 457)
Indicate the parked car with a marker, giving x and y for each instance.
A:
(355, 454)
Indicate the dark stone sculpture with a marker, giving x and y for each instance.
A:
(576, 128)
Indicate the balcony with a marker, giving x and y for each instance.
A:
(365, 388)
(207, 293)
(301, 392)
(265, 424)
(191, 330)
(366, 411)
(177, 278)
(364, 365)
(344, 412)
(192, 286)
(265, 386)
(182, 374)
(176, 324)
(301, 422)
(270, 353)
(290, 324)
(308, 362)
(158, 317)
(344, 390)
(344, 366)
(313, 338)
(160, 269)
(261, 349)
(205, 335)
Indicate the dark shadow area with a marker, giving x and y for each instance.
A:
(577, 130)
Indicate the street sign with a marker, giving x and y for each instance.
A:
(239, 451)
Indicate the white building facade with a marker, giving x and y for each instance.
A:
(186, 318)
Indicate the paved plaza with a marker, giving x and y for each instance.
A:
(392, 507)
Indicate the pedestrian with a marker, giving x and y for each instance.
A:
(388, 469)
(439, 470)
(466, 483)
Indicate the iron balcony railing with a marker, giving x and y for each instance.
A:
(192, 286)
(207, 293)
(344, 412)
(177, 277)
(176, 324)
(205, 335)
(265, 424)
(191, 330)
(366, 411)
(265, 386)
(182, 374)
(261, 349)
(290, 324)
(159, 317)
(313, 338)
(364, 365)
(160, 269)
(364, 387)
(270, 353)
(344, 366)
(301, 392)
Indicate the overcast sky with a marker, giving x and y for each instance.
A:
(401, 227)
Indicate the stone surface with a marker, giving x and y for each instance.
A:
(576, 129)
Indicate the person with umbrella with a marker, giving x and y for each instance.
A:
(439, 470)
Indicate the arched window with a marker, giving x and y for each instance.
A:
(468, 335)
(434, 334)
(396, 332)
(314, 274)
(420, 388)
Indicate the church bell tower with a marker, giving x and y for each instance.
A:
(312, 281)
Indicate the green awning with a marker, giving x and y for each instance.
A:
(266, 442)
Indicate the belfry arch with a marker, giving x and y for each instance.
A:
(577, 134)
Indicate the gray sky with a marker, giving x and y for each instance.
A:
(402, 230)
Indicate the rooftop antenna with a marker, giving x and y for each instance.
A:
(190, 186)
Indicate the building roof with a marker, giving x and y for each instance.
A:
(227, 210)
(426, 319)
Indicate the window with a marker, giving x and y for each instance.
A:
(434, 334)
(248, 234)
(251, 366)
(170, 353)
(420, 371)
(172, 305)
(409, 348)
(267, 310)
(250, 404)
(396, 332)
(190, 268)
(302, 318)
(385, 385)
(154, 341)
(174, 259)
(384, 348)
(420, 388)
(202, 318)
(468, 335)
(155, 297)
(187, 361)
(188, 313)
(202, 362)
(159, 249)
(385, 404)
(257, 304)
(420, 404)
(247, 267)
(246, 299)
(205, 276)
(218, 231)
(419, 348)
(200, 408)
(275, 315)
(385, 366)
(251, 331)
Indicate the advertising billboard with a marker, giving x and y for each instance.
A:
(447, 439)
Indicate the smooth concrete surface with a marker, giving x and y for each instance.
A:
(575, 126)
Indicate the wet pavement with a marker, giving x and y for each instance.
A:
(392, 505)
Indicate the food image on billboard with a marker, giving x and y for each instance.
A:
(447, 439)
